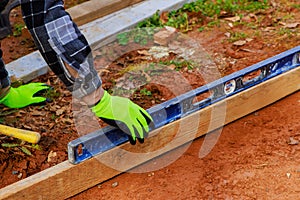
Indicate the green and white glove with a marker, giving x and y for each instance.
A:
(123, 113)
(25, 95)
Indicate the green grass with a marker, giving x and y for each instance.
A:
(145, 92)
(213, 9)
(22, 147)
(18, 29)
(140, 36)
(283, 31)
(179, 64)
(297, 6)
(235, 36)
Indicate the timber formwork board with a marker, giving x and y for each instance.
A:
(65, 179)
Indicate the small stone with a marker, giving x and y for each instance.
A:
(164, 36)
(293, 141)
(14, 172)
(151, 174)
(20, 176)
(115, 184)
(288, 175)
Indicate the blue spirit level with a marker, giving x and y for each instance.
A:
(108, 137)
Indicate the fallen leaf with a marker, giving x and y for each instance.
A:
(253, 16)
(60, 112)
(27, 127)
(227, 34)
(267, 29)
(51, 155)
(248, 50)
(292, 25)
(144, 52)
(38, 113)
(282, 23)
(233, 19)
(230, 25)
(240, 43)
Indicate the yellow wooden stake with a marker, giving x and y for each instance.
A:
(28, 136)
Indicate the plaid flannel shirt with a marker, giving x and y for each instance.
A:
(60, 41)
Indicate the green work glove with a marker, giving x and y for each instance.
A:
(25, 95)
(123, 113)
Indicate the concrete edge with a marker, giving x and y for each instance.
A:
(97, 33)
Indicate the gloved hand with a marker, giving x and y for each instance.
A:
(123, 113)
(24, 95)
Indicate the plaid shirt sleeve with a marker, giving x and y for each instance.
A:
(60, 41)
(4, 79)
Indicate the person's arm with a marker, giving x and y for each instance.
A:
(68, 54)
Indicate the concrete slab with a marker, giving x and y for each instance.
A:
(97, 32)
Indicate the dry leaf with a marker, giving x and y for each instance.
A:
(51, 155)
(233, 19)
(227, 34)
(292, 25)
(240, 43)
(253, 16)
(37, 113)
(144, 52)
(267, 29)
(60, 111)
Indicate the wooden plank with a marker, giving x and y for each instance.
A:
(94, 9)
(65, 180)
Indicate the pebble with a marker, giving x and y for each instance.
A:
(14, 172)
(151, 174)
(115, 184)
(20, 175)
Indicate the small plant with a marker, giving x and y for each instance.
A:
(145, 92)
(22, 146)
(53, 117)
(283, 31)
(179, 21)
(213, 23)
(18, 29)
(235, 36)
(213, 9)
(123, 38)
(179, 64)
(139, 35)
(297, 6)
(153, 21)
(202, 28)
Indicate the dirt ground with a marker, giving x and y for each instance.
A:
(255, 157)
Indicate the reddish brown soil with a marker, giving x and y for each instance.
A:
(255, 157)
(252, 160)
